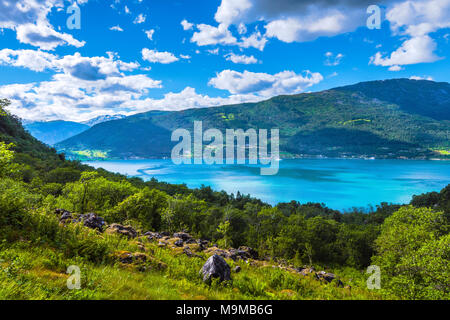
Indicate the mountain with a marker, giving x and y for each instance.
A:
(52, 132)
(397, 118)
(100, 119)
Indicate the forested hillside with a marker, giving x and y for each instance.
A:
(124, 235)
(385, 119)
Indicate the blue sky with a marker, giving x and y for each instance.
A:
(137, 55)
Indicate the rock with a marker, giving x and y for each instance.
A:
(237, 269)
(179, 243)
(326, 276)
(125, 257)
(309, 271)
(251, 253)
(162, 244)
(216, 267)
(182, 235)
(153, 235)
(164, 234)
(187, 251)
(123, 230)
(91, 220)
(64, 215)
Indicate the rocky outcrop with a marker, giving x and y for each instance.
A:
(216, 267)
(127, 231)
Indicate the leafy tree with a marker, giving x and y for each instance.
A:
(225, 230)
(413, 254)
(6, 156)
(145, 206)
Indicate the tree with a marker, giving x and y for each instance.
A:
(224, 229)
(145, 207)
(413, 253)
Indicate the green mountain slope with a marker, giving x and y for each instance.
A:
(52, 132)
(368, 119)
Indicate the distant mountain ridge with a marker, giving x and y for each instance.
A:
(100, 119)
(52, 132)
(397, 118)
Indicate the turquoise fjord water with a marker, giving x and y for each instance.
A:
(339, 183)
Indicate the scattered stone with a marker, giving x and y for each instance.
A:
(123, 230)
(187, 251)
(251, 253)
(153, 235)
(182, 235)
(179, 243)
(216, 267)
(237, 269)
(162, 244)
(92, 221)
(326, 276)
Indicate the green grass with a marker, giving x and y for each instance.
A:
(33, 266)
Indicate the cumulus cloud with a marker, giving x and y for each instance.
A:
(158, 56)
(415, 20)
(30, 59)
(415, 50)
(263, 84)
(28, 18)
(241, 58)
(210, 35)
(186, 25)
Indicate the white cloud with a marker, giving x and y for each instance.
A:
(29, 19)
(241, 58)
(187, 25)
(307, 28)
(395, 68)
(150, 33)
(421, 78)
(416, 20)
(158, 56)
(140, 19)
(255, 40)
(82, 86)
(263, 84)
(333, 60)
(212, 51)
(210, 35)
(231, 10)
(116, 28)
(419, 49)
(30, 59)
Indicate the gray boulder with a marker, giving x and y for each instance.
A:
(216, 267)
(91, 220)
